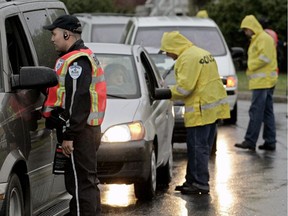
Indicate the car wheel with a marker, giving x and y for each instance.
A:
(233, 116)
(164, 174)
(14, 204)
(146, 190)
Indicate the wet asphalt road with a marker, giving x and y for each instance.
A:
(242, 182)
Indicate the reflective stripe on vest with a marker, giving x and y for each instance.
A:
(207, 106)
(264, 58)
(212, 105)
(262, 75)
(97, 89)
(183, 91)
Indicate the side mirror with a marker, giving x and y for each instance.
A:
(161, 94)
(237, 52)
(34, 77)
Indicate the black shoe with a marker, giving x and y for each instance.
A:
(245, 145)
(267, 147)
(193, 190)
(180, 187)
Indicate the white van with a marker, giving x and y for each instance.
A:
(204, 33)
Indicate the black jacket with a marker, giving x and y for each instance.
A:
(77, 109)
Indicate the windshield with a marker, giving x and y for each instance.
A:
(120, 75)
(107, 33)
(207, 38)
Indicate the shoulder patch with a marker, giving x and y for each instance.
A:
(75, 70)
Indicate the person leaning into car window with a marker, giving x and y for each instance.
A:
(78, 103)
(199, 86)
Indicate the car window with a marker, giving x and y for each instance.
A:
(208, 38)
(19, 52)
(151, 80)
(165, 66)
(42, 38)
(163, 62)
(107, 33)
(120, 75)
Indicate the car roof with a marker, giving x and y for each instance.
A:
(111, 48)
(102, 19)
(5, 3)
(173, 21)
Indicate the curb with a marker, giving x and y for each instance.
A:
(248, 96)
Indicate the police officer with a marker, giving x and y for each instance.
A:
(199, 86)
(79, 100)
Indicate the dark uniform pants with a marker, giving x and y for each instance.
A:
(83, 167)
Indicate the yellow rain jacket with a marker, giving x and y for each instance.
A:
(262, 59)
(198, 83)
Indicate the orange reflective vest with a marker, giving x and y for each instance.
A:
(97, 89)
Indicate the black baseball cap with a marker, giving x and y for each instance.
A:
(68, 22)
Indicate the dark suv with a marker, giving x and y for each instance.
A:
(27, 185)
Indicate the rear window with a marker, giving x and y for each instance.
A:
(107, 33)
(208, 38)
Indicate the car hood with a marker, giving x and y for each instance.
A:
(119, 111)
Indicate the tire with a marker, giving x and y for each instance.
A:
(233, 116)
(14, 202)
(146, 190)
(165, 173)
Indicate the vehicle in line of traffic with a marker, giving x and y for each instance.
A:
(138, 124)
(102, 28)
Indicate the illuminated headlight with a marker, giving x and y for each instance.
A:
(124, 133)
(231, 81)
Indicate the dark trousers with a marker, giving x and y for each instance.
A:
(261, 111)
(83, 167)
(199, 146)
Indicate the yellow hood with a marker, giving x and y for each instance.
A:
(174, 42)
(202, 14)
(251, 23)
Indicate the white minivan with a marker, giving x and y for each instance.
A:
(203, 32)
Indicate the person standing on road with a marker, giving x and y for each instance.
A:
(79, 102)
(262, 76)
(199, 86)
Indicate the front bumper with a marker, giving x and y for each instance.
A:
(124, 163)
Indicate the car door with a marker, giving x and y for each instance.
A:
(23, 125)
(161, 109)
(47, 56)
